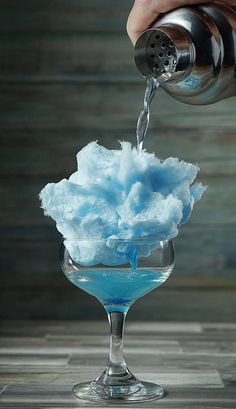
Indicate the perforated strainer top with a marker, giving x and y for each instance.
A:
(161, 53)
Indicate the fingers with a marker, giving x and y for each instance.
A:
(141, 17)
(145, 12)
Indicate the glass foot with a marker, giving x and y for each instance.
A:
(141, 391)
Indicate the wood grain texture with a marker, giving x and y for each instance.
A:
(41, 361)
(94, 104)
(213, 149)
(63, 16)
(67, 77)
(57, 58)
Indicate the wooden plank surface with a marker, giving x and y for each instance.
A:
(70, 106)
(67, 77)
(63, 16)
(41, 361)
(57, 58)
(213, 149)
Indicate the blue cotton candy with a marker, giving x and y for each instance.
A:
(120, 194)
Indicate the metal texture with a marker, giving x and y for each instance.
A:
(199, 67)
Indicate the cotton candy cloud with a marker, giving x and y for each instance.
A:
(120, 194)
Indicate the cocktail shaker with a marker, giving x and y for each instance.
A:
(191, 53)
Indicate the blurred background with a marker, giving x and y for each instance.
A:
(67, 77)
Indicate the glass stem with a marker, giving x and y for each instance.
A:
(116, 372)
(116, 355)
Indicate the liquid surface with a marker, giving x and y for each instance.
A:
(143, 119)
(118, 288)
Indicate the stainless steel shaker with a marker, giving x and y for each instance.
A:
(191, 52)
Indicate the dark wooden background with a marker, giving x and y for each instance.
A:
(67, 77)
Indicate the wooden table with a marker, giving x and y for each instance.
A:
(40, 361)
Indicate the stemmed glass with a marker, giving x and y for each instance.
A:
(117, 287)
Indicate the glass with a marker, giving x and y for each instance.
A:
(117, 287)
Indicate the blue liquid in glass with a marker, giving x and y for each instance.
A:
(117, 288)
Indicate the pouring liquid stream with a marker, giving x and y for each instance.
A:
(143, 119)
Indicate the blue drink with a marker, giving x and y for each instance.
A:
(118, 288)
(95, 267)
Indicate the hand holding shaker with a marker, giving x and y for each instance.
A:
(191, 52)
